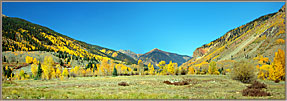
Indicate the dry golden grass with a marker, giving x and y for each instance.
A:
(140, 87)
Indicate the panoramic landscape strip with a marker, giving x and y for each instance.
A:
(247, 62)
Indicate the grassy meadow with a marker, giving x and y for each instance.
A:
(140, 87)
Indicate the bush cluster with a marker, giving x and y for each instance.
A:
(255, 89)
(243, 71)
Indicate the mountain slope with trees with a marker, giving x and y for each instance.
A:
(261, 37)
(21, 35)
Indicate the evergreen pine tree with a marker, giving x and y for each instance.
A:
(4, 59)
(39, 72)
(115, 72)
(61, 63)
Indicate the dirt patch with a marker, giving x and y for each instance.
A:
(123, 84)
(179, 83)
(192, 81)
(255, 89)
(255, 92)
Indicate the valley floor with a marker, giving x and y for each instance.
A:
(140, 87)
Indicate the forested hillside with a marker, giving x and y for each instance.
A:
(21, 35)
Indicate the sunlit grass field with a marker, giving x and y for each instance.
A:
(140, 87)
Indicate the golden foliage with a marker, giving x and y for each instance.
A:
(151, 69)
(65, 72)
(34, 69)
(141, 67)
(58, 72)
(191, 70)
(277, 70)
(280, 41)
(29, 59)
(115, 54)
(47, 67)
(263, 71)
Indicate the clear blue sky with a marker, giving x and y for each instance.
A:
(178, 27)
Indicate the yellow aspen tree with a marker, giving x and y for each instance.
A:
(149, 65)
(162, 66)
(83, 71)
(175, 67)
(76, 69)
(65, 72)
(104, 67)
(99, 69)
(277, 70)
(191, 70)
(141, 67)
(118, 67)
(88, 71)
(47, 67)
(29, 59)
(34, 69)
(62, 77)
(53, 74)
(35, 61)
(170, 68)
(58, 72)
(96, 73)
(22, 74)
(151, 70)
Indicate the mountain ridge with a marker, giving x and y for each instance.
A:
(156, 55)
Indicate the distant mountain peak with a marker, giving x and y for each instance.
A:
(156, 55)
(155, 50)
(130, 53)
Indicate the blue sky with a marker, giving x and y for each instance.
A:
(178, 27)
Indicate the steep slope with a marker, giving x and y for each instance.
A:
(21, 35)
(263, 36)
(155, 56)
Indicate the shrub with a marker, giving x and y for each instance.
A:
(257, 85)
(71, 75)
(212, 68)
(255, 89)
(183, 71)
(243, 71)
(8, 72)
(123, 84)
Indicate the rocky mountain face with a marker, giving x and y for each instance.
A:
(130, 53)
(155, 56)
(262, 36)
